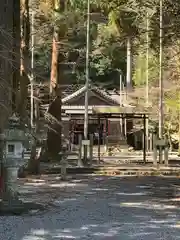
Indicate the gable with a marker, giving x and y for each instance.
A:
(94, 99)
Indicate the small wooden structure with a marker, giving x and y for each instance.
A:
(73, 107)
(122, 113)
(103, 114)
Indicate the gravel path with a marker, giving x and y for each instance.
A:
(97, 207)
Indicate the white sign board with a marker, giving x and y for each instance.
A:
(161, 142)
(86, 142)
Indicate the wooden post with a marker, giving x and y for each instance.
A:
(142, 137)
(166, 160)
(144, 140)
(147, 135)
(104, 135)
(151, 143)
(99, 146)
(91, 150)
(80, 164)
(154, 150)
(160, 155)
(70, 133)
(166, 150)
(64, 167)
(73, 135)
(125, 127)
(106, 139)
(135, 140)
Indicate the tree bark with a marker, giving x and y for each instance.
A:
(55, 128)
(24, 79)
(34, 162)
(129, 65)
(16, 53)
(179, 132)
(6, 61)
(6, 70)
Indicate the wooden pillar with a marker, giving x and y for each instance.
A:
(155, 152)
(80, 164)
(144, 133)
(151, 142)
(108, 127)
(166, 151)
(124, 126)
(91, 149)
(70, 131)
(135, 140)
(99, 146)
(106, 135)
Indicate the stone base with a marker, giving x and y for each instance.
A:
(18, 207)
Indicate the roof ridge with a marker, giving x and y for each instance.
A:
(74, 94)
(105, 94)
(82, 89)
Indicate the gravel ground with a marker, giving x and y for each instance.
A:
(98, 207)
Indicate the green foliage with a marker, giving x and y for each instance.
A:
(107, 52)
(108, 39)
(107, 57)
(121, 16)
(140, 69)
(43, 58)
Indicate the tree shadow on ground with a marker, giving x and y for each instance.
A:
(102, 207)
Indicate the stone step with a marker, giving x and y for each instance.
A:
(121, 171)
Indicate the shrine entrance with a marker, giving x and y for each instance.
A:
(102, 126)
(122, 114)
(77, 128)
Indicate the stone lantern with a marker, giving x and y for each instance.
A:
(13, 140)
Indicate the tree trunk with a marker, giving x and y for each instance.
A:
(16, 53)
(6, 61)
(24, 80)
(6, 71)
(55, 129)
(34, 162)
(33, 167)
(129, 65)
(179, 133)
(54, 65)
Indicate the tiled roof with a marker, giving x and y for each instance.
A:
(114, 98)
(73, 95)
(76, 107)
(105, 95)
